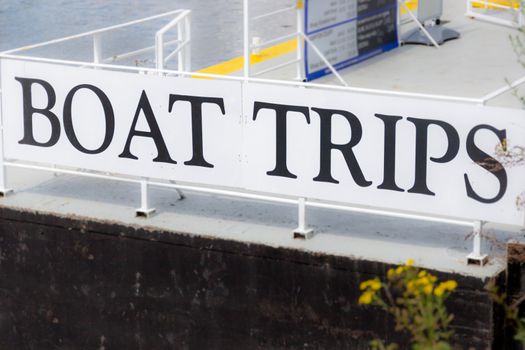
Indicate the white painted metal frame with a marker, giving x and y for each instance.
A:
(517, 19)
(249, 46)
(302, 230)
(301, 37)
(183, 24)
(299, 34)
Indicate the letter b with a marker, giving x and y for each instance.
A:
(30, 110)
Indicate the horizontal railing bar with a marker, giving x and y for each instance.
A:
(245, 195)
(275, 40)
(173, 22)
(176, 51)
(153, 183)
(93, 32)
(70, 172)
(390, 213)
(503, 90)
(492, 19)
(225, 192)
(271, 69)
(136, 52)
(276, 12)
(255, 80)
(492, 4)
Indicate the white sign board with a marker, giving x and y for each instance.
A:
(397, 153)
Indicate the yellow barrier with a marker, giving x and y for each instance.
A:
(511, 3)
(411, 4)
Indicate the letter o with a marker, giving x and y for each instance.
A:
(108, 114)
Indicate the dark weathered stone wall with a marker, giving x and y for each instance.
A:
(78, 284)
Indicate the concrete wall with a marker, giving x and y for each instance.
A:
(69, 283)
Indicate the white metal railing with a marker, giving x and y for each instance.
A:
(301, 203)
(249, 45)
(493, 12)
(182, 22)
(302, 37)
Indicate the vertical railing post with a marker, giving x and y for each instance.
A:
(4, 191)
(97, 48)
(299, 55)
(302, 231)
(144, 211)
(246, 38)
(180, 40)
(187, 48)
(159, 51)
(476, 257)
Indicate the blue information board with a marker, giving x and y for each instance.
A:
(347, 32)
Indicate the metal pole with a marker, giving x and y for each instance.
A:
(246, 33)
(299, 56)
(476, 258)
(159, 51)
(4, 191)
(187, 48)
(97, 48)
(301, 231)
(180, 55)
(144, 211)
(414, 18)
(323, 58)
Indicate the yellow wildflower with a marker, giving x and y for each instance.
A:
(375, 284)
(400, 270)
(423, 281)
(443, 287)
(422, 273)
(363, 285)
(411, 286)
(428, 289)
(366, 298)
(410, 262)
(450, 285)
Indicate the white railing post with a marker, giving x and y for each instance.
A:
(180, 39)
(4, 191)
(299, 54)
(246, 38)
(187, 48)
(302, 231)
(97, 48)
(476, 258)
(159, 51)
(469, 10)
(144, 211)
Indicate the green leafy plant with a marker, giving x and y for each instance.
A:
(511, 310)
(416, 301)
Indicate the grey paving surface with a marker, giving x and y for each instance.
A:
(481, 61)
